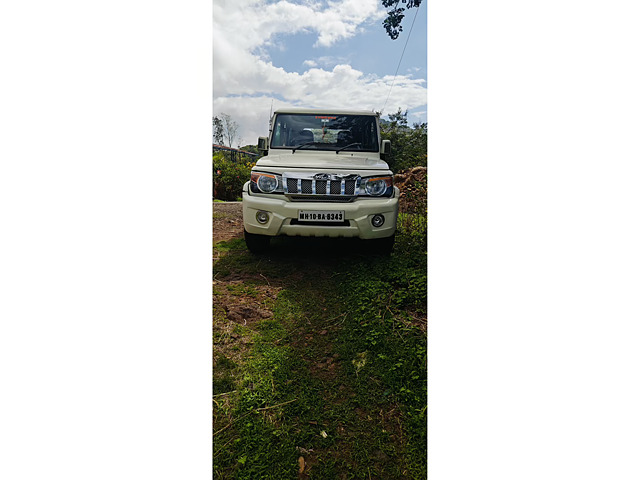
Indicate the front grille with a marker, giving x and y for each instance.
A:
(321, 187)
(349, 187)
(331, 187)
(306, 187)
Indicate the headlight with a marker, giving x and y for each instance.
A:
(265, 182)
(377, 186)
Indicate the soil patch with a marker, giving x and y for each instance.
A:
(244, 304)
(227, 221)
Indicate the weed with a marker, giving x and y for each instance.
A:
(243, 289)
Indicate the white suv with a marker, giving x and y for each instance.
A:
(323, 175)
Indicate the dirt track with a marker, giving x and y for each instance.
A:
(227, 221)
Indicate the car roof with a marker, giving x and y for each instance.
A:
(325, 111)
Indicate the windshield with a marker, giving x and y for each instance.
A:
(325, 132)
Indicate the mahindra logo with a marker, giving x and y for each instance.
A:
(322, 176)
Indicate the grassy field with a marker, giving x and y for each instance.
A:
(320, 359)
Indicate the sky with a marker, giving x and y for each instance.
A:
(314, 53)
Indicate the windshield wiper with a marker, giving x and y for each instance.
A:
(347, 146)
(301, 145)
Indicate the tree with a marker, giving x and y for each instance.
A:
(393, 22)
(218, 136)
(225, 130)
(252, 149)
(398, 118)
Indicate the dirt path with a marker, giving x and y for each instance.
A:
(227, 221)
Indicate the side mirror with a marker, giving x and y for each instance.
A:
(386, 148)
(262, 145)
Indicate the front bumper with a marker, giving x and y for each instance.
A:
(281, 211)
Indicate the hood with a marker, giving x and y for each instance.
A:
(324, 160)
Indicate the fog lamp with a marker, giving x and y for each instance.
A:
(377, 220)
(262, 217)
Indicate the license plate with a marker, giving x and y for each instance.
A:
(321, 216)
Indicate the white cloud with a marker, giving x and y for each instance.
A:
(245, 80)
(252, 113)
(329, 61)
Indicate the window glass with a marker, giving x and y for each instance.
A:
(325, 132)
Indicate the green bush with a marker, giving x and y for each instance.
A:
(413, 213)
(229, 176)
(408, 144)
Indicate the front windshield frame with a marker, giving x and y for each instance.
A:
(325, 132)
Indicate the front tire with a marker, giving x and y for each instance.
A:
(382, 246)
(256, 243)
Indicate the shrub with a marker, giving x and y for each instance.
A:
(413, 203)
(408, 144)
(229, 176)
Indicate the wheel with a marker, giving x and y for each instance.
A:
(256, 243)
(382, 246)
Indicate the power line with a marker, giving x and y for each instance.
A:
(400, 61)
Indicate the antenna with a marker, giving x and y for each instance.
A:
(270, 113)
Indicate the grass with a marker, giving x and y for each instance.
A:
(337, 375)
